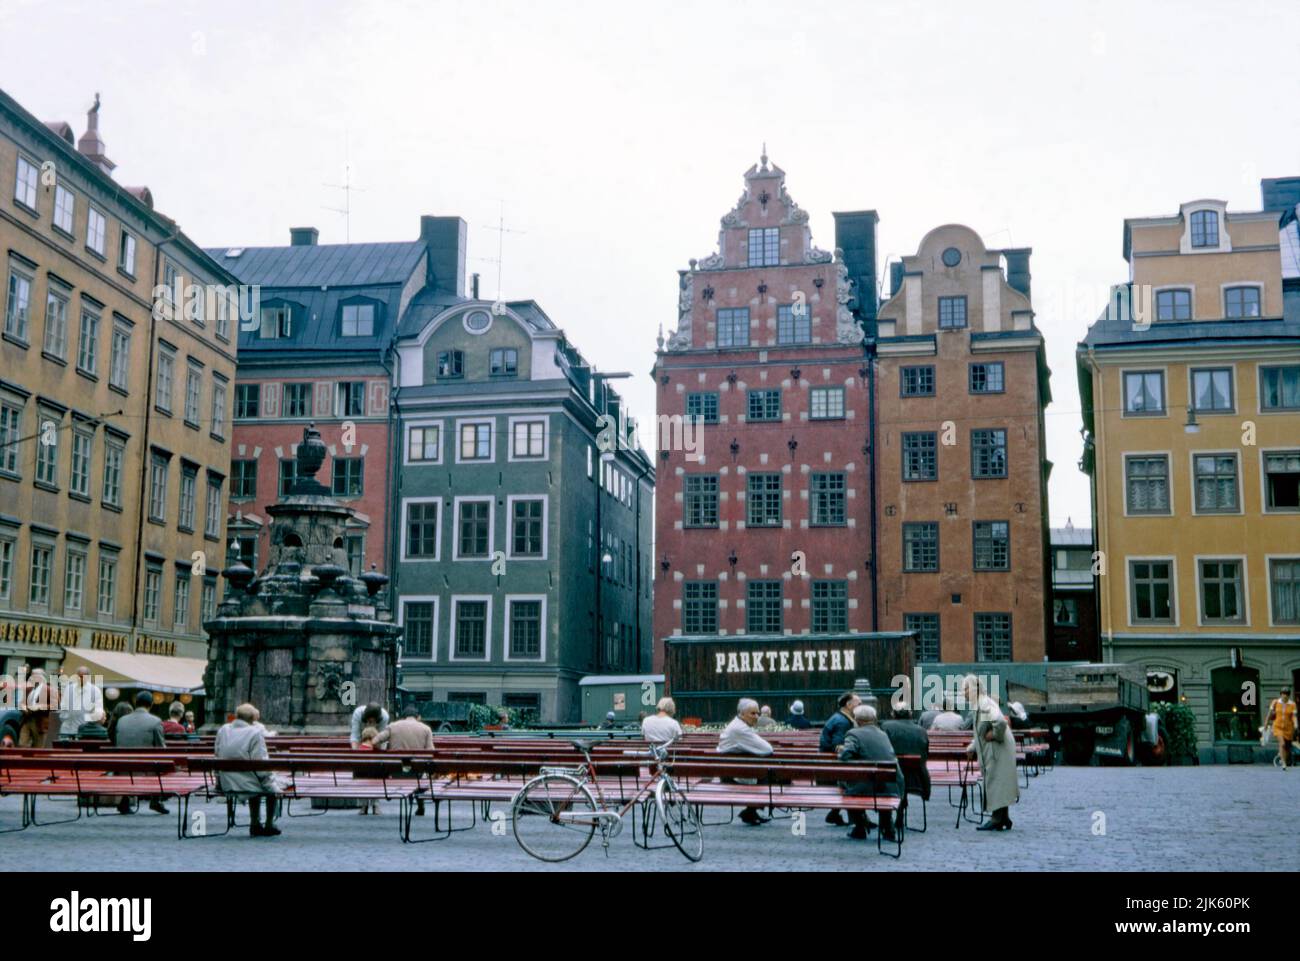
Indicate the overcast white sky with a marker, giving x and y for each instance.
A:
(615, 134)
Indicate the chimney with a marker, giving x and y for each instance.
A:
(1280, 193)
(896, 271)
(1018, 268)
(855, 236)
(444, 238)
(303, 236)
(91, 146)
(473, 286)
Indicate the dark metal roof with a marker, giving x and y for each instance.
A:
(429, 303)
(1114, 328)
(1071, 536)
(331, 265)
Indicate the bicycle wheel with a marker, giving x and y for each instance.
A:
(681, 820)
(554, 817)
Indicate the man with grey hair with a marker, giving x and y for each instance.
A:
(866, 742)
(739, 737)
(661, 727)
(243, 739)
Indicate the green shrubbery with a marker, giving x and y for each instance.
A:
(1180, 728)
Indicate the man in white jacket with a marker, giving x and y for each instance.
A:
(80, 702)
(739, 737)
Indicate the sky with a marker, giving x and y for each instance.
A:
(611, 136)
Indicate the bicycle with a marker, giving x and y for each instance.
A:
(555, 815)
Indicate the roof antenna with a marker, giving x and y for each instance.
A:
(348, 189)
(501, 231)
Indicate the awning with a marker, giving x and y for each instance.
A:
(170, 675)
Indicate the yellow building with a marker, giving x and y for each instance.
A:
(115, 410)
(1190, 384)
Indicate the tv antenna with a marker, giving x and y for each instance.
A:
(501, 231)
(348, 189)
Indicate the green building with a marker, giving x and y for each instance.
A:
(522, 506)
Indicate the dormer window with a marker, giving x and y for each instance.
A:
(451, 363)
(277, 322)
(1240, 303)
(765, 247)
(1205, 228)
(1174, 304)
(504, 362)
(358, 320)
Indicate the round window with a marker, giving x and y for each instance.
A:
(478, 321)
(951, 257)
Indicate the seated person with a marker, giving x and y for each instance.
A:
(739, 737)
(661, 727)
(867, 742)
(245, 738)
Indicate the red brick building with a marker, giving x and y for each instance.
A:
(763, 480)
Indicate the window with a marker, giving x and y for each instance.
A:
(297, 400)
(992, 546)
(476, 441)
(247, 399)
(471, 629)
(1241, 303)
(916, 382)
(6, 568)
(921, 547)
(25, 183)
(828, 492)
(826, 403)
(920, 456)
(288, 475)
(1284, 579)
(224, 305)
(451, 363)
(10, 423)
(422, 530)
(193, 394)
(424, 444)
(830, 607)
(82, 446)
(218, 409)
(74, 581)
(107, 599)
(986, 378)
(88, 342)
(18, 306)
(988, 453)
(525, 628)
(503, 362)
(764, 405)
(1152, 588)
(208, 600)
(1212, 390)
(1174, 304)
(793, 324)
(56, 323)
(358, 320)
(763, 608)
(114, 451)
(276, 322)
(65, 207)
(188, 498)
(1216, 483)
(126, 253)
(1282, 480)
(243, 480)
(350, 399)
(927, 636)
(96, 230)
(38, 594)
(1222, 598)
(1147, 484)
(952, 312)
(417, 620)
(212, 510)
(700, 607)
(152, 592)
(1279, 388)
(349, 476)
(703, 406)
(246, 550)
(527, 528)
(163, 386)
(992, 637)
(474, 528)
(528, 438)
(1205, 228)
(158, 488)
(47, 454)
(119, 372)
(701, 500)
(170, 284)
(763, 497)
(1065, 612)
(733, 327)
(765, 247)
(181, 601)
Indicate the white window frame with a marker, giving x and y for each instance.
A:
(9, 541)
(29, 183)
(491, 422)
(126, 250)
(94, 236)
(87, 463)
(410, 425)
(510, 527)
(1223, 298)
(455, 527)
(80, 555)
(52, 549)
(106, 561)
(119, 361)
(511, 456)
(181, 614)
(88, 345)
(61, 208)
(505, 631)
(456, 601)
(193, 392)
(59, 346)
(22, 321)
(118, 446)
(159, 394)
(437, 536)
(219, 399)
(435, 600)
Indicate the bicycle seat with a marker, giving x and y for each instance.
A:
(583, 747)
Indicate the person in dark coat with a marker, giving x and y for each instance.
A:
(867, 742)
(796, 718)
(909, 737)
(140, 728)
(838, 725)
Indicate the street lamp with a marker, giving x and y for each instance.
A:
(1191, 427)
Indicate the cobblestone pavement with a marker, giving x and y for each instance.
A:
(1211, 818)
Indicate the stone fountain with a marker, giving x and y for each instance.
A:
(303, 641)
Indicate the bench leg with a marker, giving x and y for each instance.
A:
(22, 818)
(31, 818)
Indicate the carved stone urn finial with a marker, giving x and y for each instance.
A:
(311, 453)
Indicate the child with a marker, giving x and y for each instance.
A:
(368, 744)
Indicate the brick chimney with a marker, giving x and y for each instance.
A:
(303, 236)
(91, 145)
(1018, 268)
(855, 235)
(444, 238)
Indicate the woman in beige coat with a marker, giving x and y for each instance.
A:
(995, 745)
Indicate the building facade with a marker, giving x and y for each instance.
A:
(117, 359)
(1074, 596)
(1190, 388)
(961, 382)
(763, 429)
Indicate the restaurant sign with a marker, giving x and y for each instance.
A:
(27, 632)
